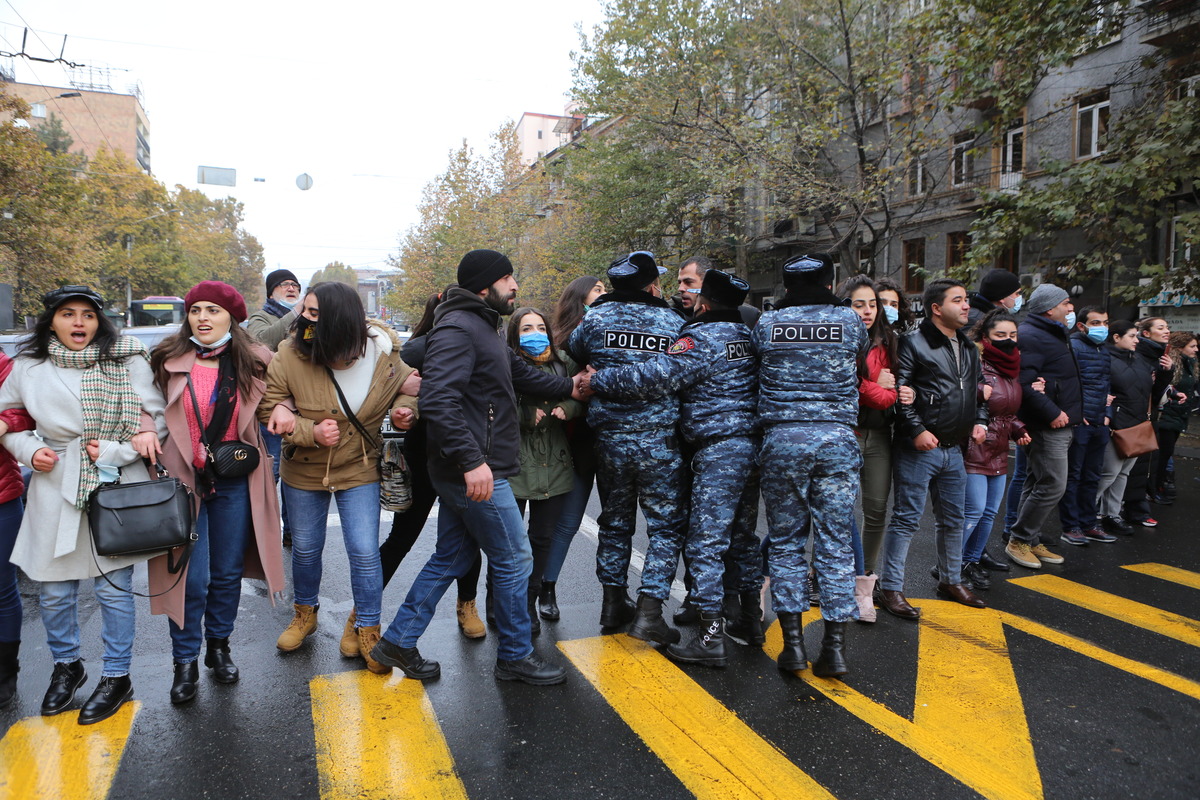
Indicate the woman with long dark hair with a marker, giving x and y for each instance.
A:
(344, 373)
(572, 305)
(407, 525)
(1154, 336)
(547, 471)
(894, 306)
(1185, 376)
(98, 415)
(214, 375)
(1131, 383)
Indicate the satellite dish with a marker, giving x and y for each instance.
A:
(304, 181)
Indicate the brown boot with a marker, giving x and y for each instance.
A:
(301, 627)
(368, 637)
(349, 645)
(468, 620)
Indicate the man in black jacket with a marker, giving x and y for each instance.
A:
(1051, 416)
(470, 410)
(942, 367)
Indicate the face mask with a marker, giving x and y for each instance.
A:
(1004, 345)
(1098, 334)
(228, 335)
(1070, 323)
(892, 313)
(305, 329)
(1017, 305)
(287, 303)
(587, 310)
(534, 343)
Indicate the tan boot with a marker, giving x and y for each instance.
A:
(300, 628)
(349, 645)
(368, 637)
(468, 620)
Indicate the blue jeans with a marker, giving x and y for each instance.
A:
(214, 578)
(60, 615)
(984, 493)
(10, 596)
(1015, 487)
(1085, 462)
(274, 442)
(359, 511)
(860, 559)
(464, 528)
(568, 524)
(938, 474)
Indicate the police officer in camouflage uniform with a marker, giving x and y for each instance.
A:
(713, 368)
(636, 445)
(809, 351)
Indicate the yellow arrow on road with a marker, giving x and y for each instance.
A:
(56, 758)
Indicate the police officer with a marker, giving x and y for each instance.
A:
(637, 449)
(808, 405)
(713, 368)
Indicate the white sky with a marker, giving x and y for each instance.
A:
(366, 97)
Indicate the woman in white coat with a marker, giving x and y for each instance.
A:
(98, 413)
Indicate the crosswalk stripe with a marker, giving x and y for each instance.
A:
(1167, 573)
(1167, 623)
(377, 738)
(712, 752)
(56, 758)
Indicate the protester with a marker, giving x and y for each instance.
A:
(999, 288)
(1154, 334)
(895, 307)
(12, 509)
(213, 375)
(1174, 419)
(98, 414)
(1131, 379)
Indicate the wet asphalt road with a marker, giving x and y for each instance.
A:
(1097, 730)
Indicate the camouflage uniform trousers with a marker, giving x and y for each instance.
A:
(724, 517)
(810, 475)
(643, 466)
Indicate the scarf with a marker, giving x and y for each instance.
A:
(111, 408)
(275, 308)
(1007, 364)
(546, 356)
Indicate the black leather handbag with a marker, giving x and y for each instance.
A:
(228, 459)
(154, 516)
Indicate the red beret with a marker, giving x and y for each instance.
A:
(218, 293)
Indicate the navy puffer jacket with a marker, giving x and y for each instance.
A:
(1094, 364)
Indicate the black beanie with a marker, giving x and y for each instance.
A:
(723, 288)
(479, 269)
(635, 271)
(279, 276)
(998, 284)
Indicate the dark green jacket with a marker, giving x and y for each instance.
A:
(545, 455)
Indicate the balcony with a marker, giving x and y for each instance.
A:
(995, 179)
(1171, 23)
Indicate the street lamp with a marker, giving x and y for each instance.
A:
(129, 255)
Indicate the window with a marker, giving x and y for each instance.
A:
(1189, 87)
(918, 178)
(38, 110)
(1091, 125)
(962, 159)
(913, 268)
(1012, 154)
(1010, 259)
(957, 245)
(539, 134)
(865, 258)
(1181, 248)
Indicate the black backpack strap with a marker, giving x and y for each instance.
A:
(368, 438)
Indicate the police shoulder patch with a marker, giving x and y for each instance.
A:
(682, 346)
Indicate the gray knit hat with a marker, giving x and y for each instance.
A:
(1045, 297)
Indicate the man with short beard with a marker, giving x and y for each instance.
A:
(470, 410)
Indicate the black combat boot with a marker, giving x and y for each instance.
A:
(748, 625)
(706, 646)
(9, 667)
(688, 613)
(548, 602)
(832, 661)
(220, 662)
(183, 685)
(649, 625)
(792, 657)
(617, 609)
(730, 606)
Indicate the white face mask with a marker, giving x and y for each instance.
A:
(1020, 301)
(228, 335)
(1070, 323)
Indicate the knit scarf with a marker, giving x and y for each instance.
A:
(275, 308)
(545, 358)
(111, 408)
(1007, 364)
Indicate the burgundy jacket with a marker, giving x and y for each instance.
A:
(12, 485)
(991, 457)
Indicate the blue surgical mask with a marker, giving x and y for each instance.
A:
(1020, 301)
(287, 304)
(892, 313)
(228, 335)
(1098, 333)
(1070, 323)
(534, 343)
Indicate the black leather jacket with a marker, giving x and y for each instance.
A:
(946, 393)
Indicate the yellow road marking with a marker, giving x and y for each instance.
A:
(712, 752)
(1153, 619)
(968, 718)
(378, 739)
(56, 758)
(1168, 573)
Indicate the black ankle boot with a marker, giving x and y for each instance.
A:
(688, 613)
(219, 661)
(9, 667)
(748, 625)
(548, 602)
(110, 695)
(706, 646)
(832, 661)
(649, 625)
(617, 609)
(535, 622)
(183, 687)
(64, 683)
(792, 657)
